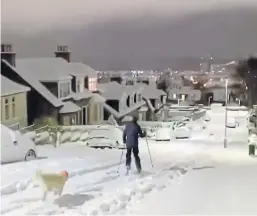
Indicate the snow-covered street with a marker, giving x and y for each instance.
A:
(191, 176)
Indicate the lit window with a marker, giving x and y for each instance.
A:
(13, 107)
(92, 82)
(7, 112)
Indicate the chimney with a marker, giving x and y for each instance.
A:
(7, 54)
(63, 52)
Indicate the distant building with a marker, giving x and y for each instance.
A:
(205, 65)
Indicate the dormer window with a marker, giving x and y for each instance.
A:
(92, 84)
(64, 89)
(139, 97)
(135, 98)
(79, 85)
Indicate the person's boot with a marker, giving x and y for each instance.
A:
(139, 169)
(128, 168)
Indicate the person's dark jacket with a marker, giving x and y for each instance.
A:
(131, 133)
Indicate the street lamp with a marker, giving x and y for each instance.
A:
(226, 114)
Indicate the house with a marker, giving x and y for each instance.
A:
(59, 88)
(120, 100)
(185, 95)
(13, 103)
(178, 92)
(155, 99)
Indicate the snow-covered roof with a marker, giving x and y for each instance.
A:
(69, 107)
(36, 84)
(111, 90)
(150, 92)
(97, 98)
(117, 114)
(45, 69)
(81, 95)
(80, 69)
(53, 69)
(9, 87)
(231, 63)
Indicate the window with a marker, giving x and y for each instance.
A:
(129, 82)
(64, 89)
(92, 82)
(77, 86)
(128, 100)
(135, 98)
(7, 112)
(13, 107)
(73, 120)
(139, 97)
(66, 120)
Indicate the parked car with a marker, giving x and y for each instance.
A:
(101, 142)
(163, 134)
(182, 132)
(101, 138)
(15, 146)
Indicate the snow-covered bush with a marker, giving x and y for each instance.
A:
(42, 138)
(75, 136)
(31, 135)
(65, 137)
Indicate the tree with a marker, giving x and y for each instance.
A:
(247, 70)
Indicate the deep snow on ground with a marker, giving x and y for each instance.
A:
(189, 176)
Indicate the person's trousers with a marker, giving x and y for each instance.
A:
(135, 151)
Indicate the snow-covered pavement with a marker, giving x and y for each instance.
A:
(189, 177)
(214, 189)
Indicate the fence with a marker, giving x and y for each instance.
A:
(15, 127)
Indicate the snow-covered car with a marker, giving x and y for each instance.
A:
(15, 146)
(182, 132)
(103, 138)
(231, 122)
(197, 125)
(101, 142)
(163, 134)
